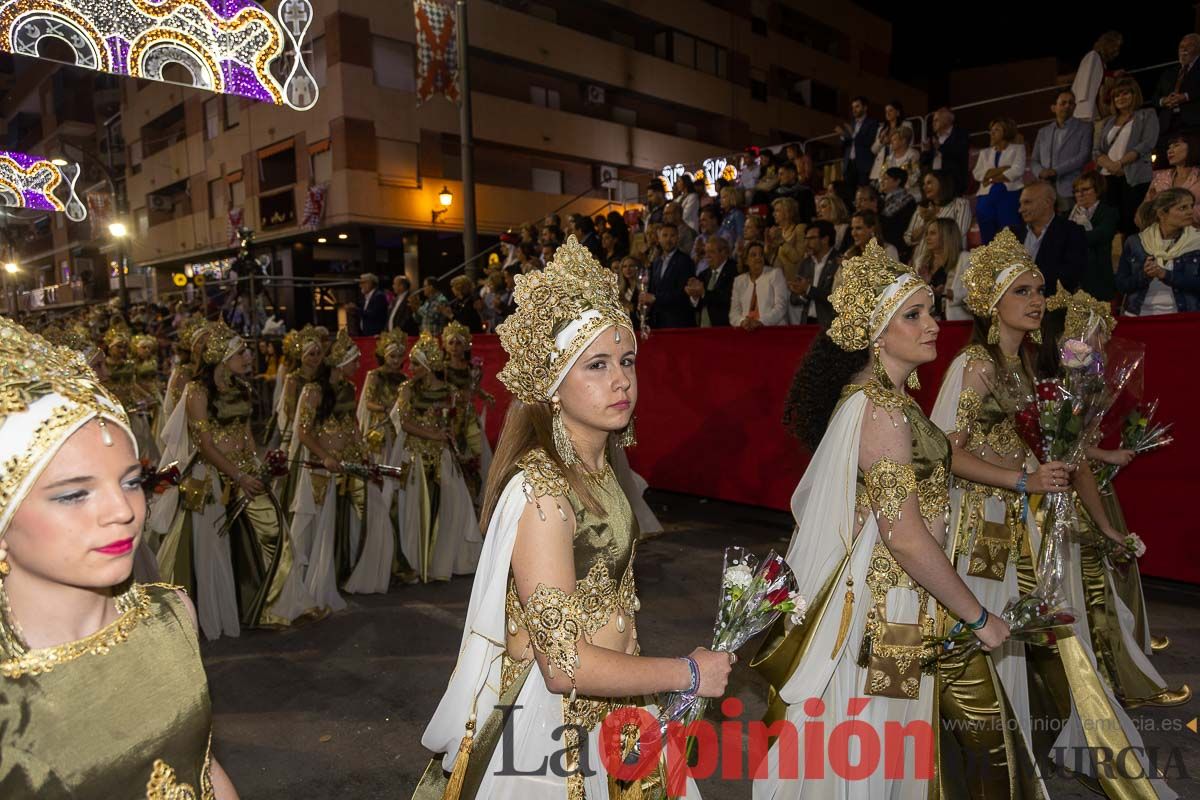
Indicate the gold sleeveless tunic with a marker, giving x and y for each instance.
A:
(75, 723)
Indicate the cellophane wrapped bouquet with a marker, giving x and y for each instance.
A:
(1139, 433)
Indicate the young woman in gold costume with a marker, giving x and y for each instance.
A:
(73, 626)
(552, 624)
(464, 378)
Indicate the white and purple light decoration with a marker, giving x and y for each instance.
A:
(225, 46)
(33, 182)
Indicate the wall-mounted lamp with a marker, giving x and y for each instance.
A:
(445, 198)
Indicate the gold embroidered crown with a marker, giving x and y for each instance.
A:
(389, 340)
(988, 263)
(428, 352)
(456, 330)
(307, 337)
(1083, 313)
(862, 310)
(342, 349)
(220, 338)
(571, 288)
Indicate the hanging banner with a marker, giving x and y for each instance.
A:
(237, 217)
(33, 182)
(226, 46)
(437, 50)
(100, 209)
(314, 206)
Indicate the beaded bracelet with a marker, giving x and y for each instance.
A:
(694, 668)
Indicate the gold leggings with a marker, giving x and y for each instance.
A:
(972, 717)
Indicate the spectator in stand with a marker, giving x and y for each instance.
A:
(897, 211)
(754, 231)
(864, 226)
(1183, 156)
(400, 317)
(790, 187)
(1099, 223)
(669, 305)
(548, 250)
(948, 149)
(831, 209)
(709, 224)
(901, 155)
(1062, 148)
(673, 213)
(656, 199)
(646, 247)
(857, 137)
(881, 148)
(1089, 77)
(465, 305)
(432, 316)
(628, 287)
(806, 171)
(940, 201)
(1123, 152)
(1057, 245)
(808, 300)
(528, 258)
(1159, 271)
(750, 169)
(785, 239)
(496, 300)
(866, 198)
(1177, 96)
(608, 245)
(711, 292)
(733, 218)
(552, 221)
(942, 267)
(551, 234)
(619, 228)
(760, 293)
(688, 198)
(1000, 170)
(373, 310)
(585, 231)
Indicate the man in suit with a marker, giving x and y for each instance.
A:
(1177, 95)
(857, 137)
(809, 291)
(670, 306)
(585, 231)
(712, 291)
(686, 237)
(373, 310)
(1062, 148)
(1057, 245)
(401, 316)
(948, 149)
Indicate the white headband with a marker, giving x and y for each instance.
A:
(233, 348)
(892, 298)
(351, 354)
(565, 342)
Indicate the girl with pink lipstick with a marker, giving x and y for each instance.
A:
(72, 622)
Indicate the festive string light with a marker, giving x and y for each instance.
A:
(33, 182)
(226, 46)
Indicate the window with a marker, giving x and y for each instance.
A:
(625, 116)
(758, 85)
(393, 60)
(546, 98)
(164, 131)
(758, 17)
(143, 221)
(547, 181)
(623, 39)
(168, 203)
(277, 166)
(218, 198)
(322, 165)
(232, 111)
(683, 49)
(397, 160)
(689, 51)
(237, 190)
(212, 118)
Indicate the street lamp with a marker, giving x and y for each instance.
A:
(59, 162)
(445, 198)
(11, 268)
(118, 231)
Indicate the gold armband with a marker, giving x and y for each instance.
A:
(888, 485)
(969, 406)
(555, 621)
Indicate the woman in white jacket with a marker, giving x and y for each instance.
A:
(760, 294)
(1000, 170)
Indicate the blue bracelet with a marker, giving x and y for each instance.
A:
(979, 623)
(694, 668)
(1021, 483)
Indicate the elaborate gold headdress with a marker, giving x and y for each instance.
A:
(222, 343)
(872, 287)
(391, 340)
(1084, 313)
(144, 339)
(289, 347)
(342, 351)
(309, 337)
(116, 335)
(456, 330)
(428, 352)
(47, 392)
(993, 269)
(560, 311)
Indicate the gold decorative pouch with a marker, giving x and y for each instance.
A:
(894, 663)
(990, 553)
(320, 484)
(193, 493)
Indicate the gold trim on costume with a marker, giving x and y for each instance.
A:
(888, 485)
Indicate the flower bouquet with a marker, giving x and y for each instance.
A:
(1031, 618)
(156, 481)
(274, 465)
(1140, 434)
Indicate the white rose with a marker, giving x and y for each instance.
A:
(738, 576)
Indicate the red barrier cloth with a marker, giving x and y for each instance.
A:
(710, 409)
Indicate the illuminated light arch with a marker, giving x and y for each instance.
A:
(226, 46)
(33, 182)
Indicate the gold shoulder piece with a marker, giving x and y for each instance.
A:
(969, 406)
(888, 485)
(542, 477)
(977, 352)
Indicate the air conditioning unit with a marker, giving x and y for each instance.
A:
(595, 94)
(158, 202)
(606, 176)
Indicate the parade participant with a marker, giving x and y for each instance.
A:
(438, 524)
(871, 515)
(71, 620)
(552, 624)
(120, 370)
(464, 379)
(149, 383)
(308, 353)
(995, 538)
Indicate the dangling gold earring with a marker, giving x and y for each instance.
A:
(5, 568)
(994, 330)
(628, 437)
(1036, 336)
(913, 382)
(880, 373)
(562, 440)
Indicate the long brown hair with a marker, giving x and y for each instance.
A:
(527, 427)
(979, 336)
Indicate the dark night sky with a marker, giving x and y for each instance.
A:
(924, 49)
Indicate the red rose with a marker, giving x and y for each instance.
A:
(771, 571)
(778, 597)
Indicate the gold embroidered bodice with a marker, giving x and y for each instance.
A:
(122, 375)
(147, 372)
(989, 427)
(422, 403)
(337, 430)
(181, 375)
(124, 713)
(229, 426)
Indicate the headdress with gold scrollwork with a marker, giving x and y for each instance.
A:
(993, 269)
(456, 330)
(393, 340)
(116, 335)
(223, 343)
(560, 312)
(144, 339)
(308, 338)
(290, 345)
(1084, 313)
(872, 288)
(47, 392)
(427, 352)
(342, 351)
